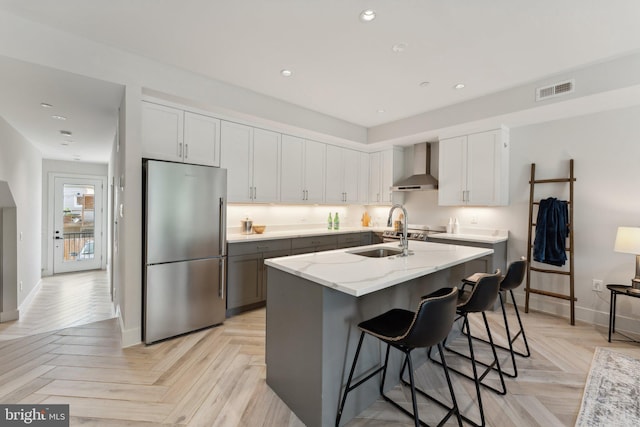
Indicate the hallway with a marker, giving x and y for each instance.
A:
(63, 301)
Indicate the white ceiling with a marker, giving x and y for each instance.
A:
(345, 68)
(90, 106)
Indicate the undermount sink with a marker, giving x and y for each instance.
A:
(377, 252)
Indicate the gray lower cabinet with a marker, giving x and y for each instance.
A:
(351, 240)
(246, 274)
(305, 245)
(487, 264)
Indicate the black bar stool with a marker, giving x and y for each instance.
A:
(406, 331)
(481, 298)
(514, 277)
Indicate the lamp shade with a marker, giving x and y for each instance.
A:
(628, 240)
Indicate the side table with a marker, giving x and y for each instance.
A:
(615, 290)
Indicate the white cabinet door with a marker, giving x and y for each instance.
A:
(342, 175)
(375, 177)
(314, 165)
(474, 169)
(483, 168)
(266, 155)
(334, 183)
(452, 169)
(363, 178)
(292, 169)
(351, 167)
(162, 136)
(235, 156)
(385, 169)
(201, 139)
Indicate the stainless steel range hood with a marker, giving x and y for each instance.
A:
(421, 179)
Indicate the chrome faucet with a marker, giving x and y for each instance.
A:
(404, 241)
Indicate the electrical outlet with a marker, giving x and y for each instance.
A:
(597, 285)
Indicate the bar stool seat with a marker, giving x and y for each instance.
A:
(514, 277)
(407, 330)
(479, 299)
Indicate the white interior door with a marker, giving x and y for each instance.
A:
(77, 233)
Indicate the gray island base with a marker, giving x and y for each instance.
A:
(312, 317)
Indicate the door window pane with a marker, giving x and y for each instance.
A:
(78, 222)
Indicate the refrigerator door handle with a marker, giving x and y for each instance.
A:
(223, 277)
(222, 227)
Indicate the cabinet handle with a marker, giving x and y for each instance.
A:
(180, 149)
(186, 151)
(302, 194)
(262, 248)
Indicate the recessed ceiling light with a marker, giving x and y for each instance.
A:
(380, 110)
(65, 143)
(58, 117)
(399, 48)
(286, 73)
(45, 105)
(424, 84)
(367, 15)
(459, 86)
(65, 132)
(76, 157)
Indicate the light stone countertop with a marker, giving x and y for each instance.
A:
(293, 233)
(480, 235)
(358, 275)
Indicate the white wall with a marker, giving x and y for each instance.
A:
(605, 148)
(21, 167)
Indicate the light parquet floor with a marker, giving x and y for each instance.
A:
(63, 301)
(216, 377)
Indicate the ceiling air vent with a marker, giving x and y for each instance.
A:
(556, 89)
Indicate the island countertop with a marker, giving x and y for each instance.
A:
(358, 275)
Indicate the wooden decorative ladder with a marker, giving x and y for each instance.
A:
(570, 248)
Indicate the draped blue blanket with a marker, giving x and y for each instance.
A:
(552, 229)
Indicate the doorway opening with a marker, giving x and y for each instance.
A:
(77, 223)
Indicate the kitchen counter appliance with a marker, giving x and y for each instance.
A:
(184, 248)
(414, 232)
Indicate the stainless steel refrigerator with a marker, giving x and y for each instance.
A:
(184, 243)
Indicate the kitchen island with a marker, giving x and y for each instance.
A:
(314, 303)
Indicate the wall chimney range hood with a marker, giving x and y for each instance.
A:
(421, 179)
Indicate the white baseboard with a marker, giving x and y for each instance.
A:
(128, 337)
(583, 314)
(31, 296)
(7, 316)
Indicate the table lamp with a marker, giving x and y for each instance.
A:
(628, 241)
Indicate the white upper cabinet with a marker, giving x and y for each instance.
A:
(474, 169)
(180, 136)
(266, 155)
(162, 132)
(201, 139)
(342, 175)
(302, 170)
(363, 178)
(292, 169)
(385, 169)
(251, 159)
